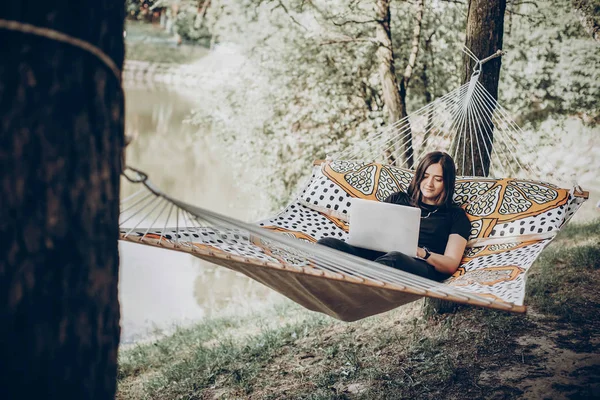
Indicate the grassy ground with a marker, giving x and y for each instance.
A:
(148, 42)
(552, 352)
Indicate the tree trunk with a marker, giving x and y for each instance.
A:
(408, 71)
(394, 95)
(61, 138)
(427, 92)
(485, 28)
(387, 72)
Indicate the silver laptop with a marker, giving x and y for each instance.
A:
(384, 227)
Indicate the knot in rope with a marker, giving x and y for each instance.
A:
(479, 63)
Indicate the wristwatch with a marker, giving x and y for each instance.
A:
(427, 253)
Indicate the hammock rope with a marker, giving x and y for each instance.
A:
(468, 113)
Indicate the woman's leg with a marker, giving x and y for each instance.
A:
(406, 263)
(346, 248)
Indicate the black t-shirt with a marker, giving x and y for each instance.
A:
(437, 222)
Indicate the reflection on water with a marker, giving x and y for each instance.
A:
(160, 288)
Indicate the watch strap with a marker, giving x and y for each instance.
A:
(427, 253)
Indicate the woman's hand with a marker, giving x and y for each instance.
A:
(450, 260)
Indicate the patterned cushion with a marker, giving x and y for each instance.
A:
(513, 207)
(338, 181)
(305, 224)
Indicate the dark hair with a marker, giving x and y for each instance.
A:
(448, 170)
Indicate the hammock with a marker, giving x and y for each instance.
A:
(512, 219)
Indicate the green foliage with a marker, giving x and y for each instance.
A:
(140, 9)
(580, 231)
(193, 359)
(550, 68)
(189, 25)
(308, 83)
(150, 42)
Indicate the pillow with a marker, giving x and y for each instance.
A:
(339, 181)
(467, 190)
(326, 196)
(510, 207)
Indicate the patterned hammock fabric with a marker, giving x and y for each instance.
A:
(512, 221)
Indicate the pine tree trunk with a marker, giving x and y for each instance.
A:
(485, 29)
(61, 137)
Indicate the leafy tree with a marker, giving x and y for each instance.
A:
(548, 71)
(312, 71)
(300, 80)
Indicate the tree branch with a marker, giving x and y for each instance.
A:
(289, 15)
(349, 40)
(462, 3)
(202, 14)
(350, 21)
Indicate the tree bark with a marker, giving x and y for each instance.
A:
(426, 89)
(408, 71)
(394, 95)
(485, 29)
(387, 74)
(61, 138)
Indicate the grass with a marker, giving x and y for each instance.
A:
(564, 279)
(195, 358)
(470, 353)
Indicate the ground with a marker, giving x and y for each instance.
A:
(552, 352)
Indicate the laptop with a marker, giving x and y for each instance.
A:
(384, 226)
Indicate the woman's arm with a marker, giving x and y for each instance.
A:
(448, 262)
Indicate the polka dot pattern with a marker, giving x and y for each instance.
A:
(299, 218)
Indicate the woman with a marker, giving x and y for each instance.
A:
(444, 228)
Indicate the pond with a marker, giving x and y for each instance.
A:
(160, 289)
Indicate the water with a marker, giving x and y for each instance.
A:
(160, 289)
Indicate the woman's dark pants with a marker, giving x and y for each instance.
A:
(392, 259)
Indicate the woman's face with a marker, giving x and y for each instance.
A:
(432, 185)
